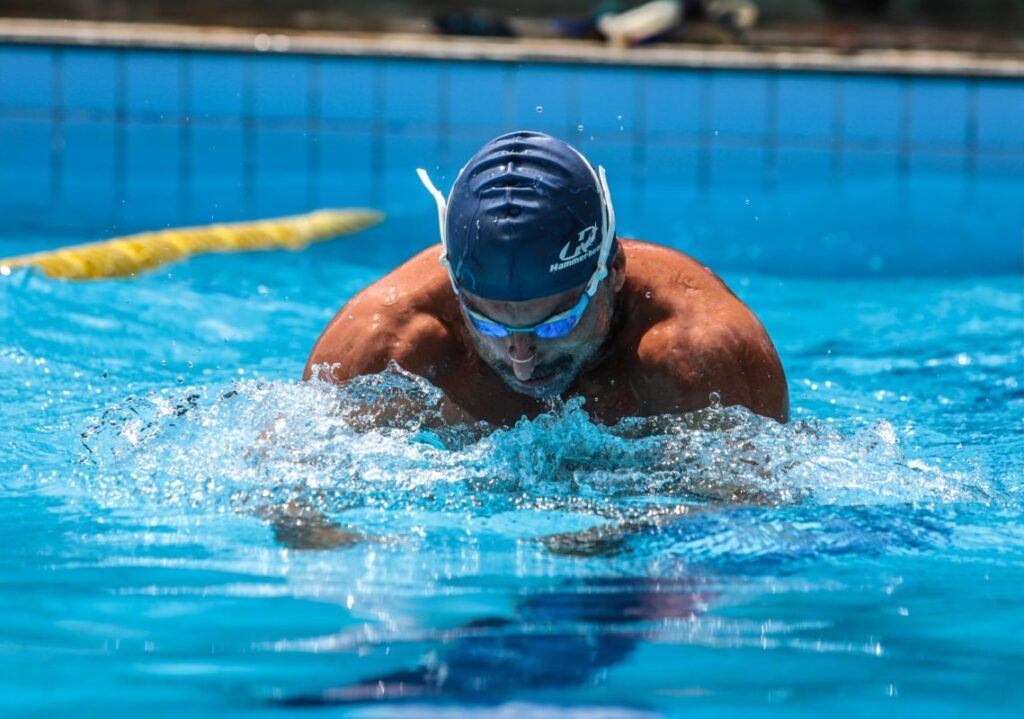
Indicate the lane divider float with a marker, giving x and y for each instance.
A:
(135, 254)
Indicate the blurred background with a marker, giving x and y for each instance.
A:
(781, 136)
(976, 26)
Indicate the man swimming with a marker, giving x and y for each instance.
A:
(535, 298)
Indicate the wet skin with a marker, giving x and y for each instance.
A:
(661, 335)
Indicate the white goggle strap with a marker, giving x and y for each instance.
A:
(607, 232)
(442, 221)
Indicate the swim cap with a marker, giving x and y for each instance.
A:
(527, 218)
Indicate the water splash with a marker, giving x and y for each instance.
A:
(259, 442)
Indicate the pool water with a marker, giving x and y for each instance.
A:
(866, 557)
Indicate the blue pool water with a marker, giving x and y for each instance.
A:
(867, 557)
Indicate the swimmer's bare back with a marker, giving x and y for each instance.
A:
(679, 335)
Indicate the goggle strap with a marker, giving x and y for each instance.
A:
(442, 221)
(607, 233)
(609, 208)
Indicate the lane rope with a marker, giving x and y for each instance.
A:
(135, 254)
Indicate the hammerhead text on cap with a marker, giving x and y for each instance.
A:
(586, 247)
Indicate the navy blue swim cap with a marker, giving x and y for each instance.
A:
(526, 219)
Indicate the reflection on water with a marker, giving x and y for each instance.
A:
(552, 640)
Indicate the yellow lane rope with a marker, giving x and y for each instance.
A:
(129, 256)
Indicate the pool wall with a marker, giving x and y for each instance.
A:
(768, 170)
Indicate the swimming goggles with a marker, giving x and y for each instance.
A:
(556, 326)
(561, 324)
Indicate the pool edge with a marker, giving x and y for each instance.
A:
(225, 39)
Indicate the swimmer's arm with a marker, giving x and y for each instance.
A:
(421, 345)
(297, 525)
(394, 409)
(612, 538)
(741, 367)
(762, 375)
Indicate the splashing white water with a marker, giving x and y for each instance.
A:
(264, 442)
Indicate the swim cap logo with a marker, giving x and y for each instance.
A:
(586, 247)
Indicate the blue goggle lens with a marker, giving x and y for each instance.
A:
(545, 330)
(491, 329)
(558, 328)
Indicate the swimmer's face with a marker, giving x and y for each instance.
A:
(538, 367)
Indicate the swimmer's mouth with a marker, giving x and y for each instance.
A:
(553, 374)
(536, 381)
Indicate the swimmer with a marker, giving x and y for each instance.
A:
(535, 298)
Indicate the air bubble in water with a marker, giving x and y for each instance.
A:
(579, 128)
(540, 108)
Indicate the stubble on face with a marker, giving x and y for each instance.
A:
(562, 367)
(561, 371)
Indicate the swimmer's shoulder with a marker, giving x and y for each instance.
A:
(677, 368)
(418, 285)
(670, 288)
(698, 336)
(405, 316)
(672, 276)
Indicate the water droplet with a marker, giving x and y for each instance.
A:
(648, 294)
(540, 108)
(716, 400)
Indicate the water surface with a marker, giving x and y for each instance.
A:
(868, 556)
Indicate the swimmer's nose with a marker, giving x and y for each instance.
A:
(523, 356)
